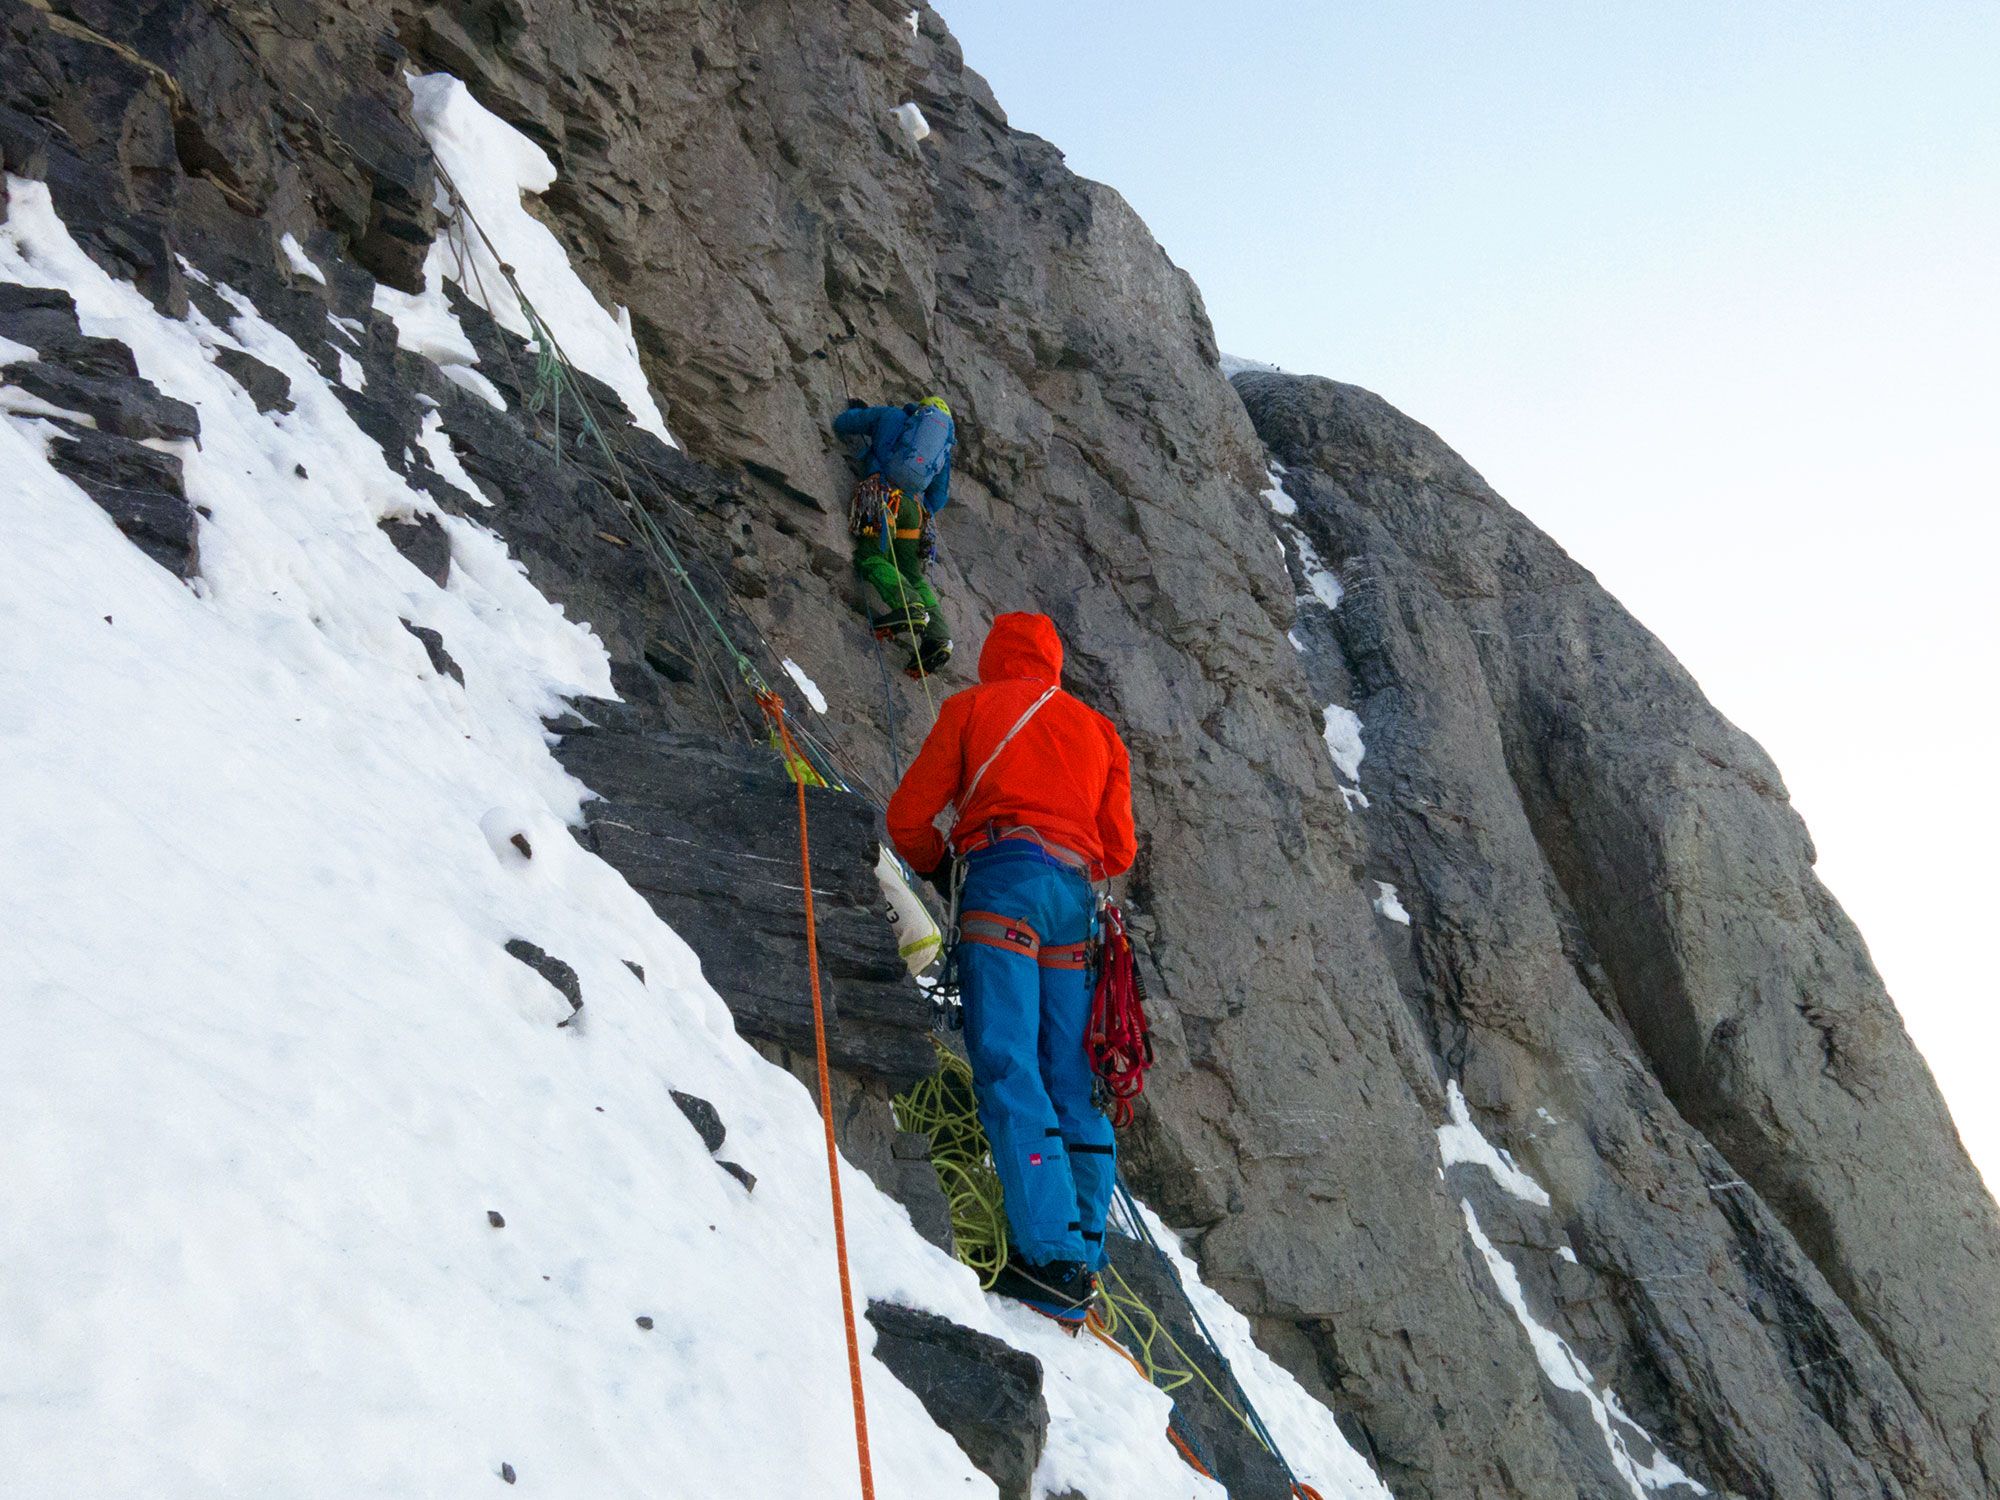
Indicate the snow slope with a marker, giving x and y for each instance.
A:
(270, 1073)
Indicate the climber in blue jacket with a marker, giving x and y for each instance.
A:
(903, 456)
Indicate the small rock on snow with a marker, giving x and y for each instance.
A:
(644, 1322)
(554, 970)
(493, 1218)
(741, 1174)
(433, 645)
(704, 1117)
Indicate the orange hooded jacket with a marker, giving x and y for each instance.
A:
(1066, 775)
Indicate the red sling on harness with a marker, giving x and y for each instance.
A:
(1118, 1040)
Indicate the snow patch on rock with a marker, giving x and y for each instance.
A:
(1235, 364)
(300, 262)
(491, 165)
(1343, 740)
(1566, 1372)
(911, 122)
(1389, 903)
(807, 686)
(1461, 1143)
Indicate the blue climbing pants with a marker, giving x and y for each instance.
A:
(1024, 926)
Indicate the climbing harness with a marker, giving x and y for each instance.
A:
(1119, 1041)
(774, 710)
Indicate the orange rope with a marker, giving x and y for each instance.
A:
(1187, 1453)
(1098, 1331)
(1095, 1325)
(776, 711)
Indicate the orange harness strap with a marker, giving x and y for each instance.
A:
(992, 930)
(793, 757)
(1065, 956)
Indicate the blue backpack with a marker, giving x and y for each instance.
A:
(922, 450)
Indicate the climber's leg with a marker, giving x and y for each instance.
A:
(1004, 894)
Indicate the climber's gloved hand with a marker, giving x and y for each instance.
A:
(939, 879)
(855, 403)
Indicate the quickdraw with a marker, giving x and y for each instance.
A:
(1118, 1040)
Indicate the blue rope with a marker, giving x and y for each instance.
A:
(1130, 1208)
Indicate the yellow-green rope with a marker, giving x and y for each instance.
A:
(1138, 1328)
(941, 1107)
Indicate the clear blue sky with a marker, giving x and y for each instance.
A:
(1710, 290)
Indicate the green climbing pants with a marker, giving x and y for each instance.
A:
(897, 572)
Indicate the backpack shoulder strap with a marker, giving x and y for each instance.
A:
(949, 818)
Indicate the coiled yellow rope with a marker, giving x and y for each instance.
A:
(942, 1107)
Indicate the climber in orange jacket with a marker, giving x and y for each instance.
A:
(1065, 775)
(1040, 785)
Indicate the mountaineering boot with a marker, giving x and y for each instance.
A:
(909, 621)
(928, 659)
(1062, 1289)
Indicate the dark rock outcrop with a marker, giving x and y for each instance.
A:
(114, 414)
(708, 833)
(444, 666)
(987, 1395)
(705, 1118)
(270, 389)
(423, 543)
(559, 974)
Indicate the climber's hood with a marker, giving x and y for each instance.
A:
(1022, 646)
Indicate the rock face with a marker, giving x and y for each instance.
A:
(1760, 1237)
(1600, 864)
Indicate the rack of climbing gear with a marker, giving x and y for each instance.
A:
(1118, 1038)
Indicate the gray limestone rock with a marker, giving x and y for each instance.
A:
(1625, 878)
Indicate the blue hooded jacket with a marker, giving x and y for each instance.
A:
(882, 426)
